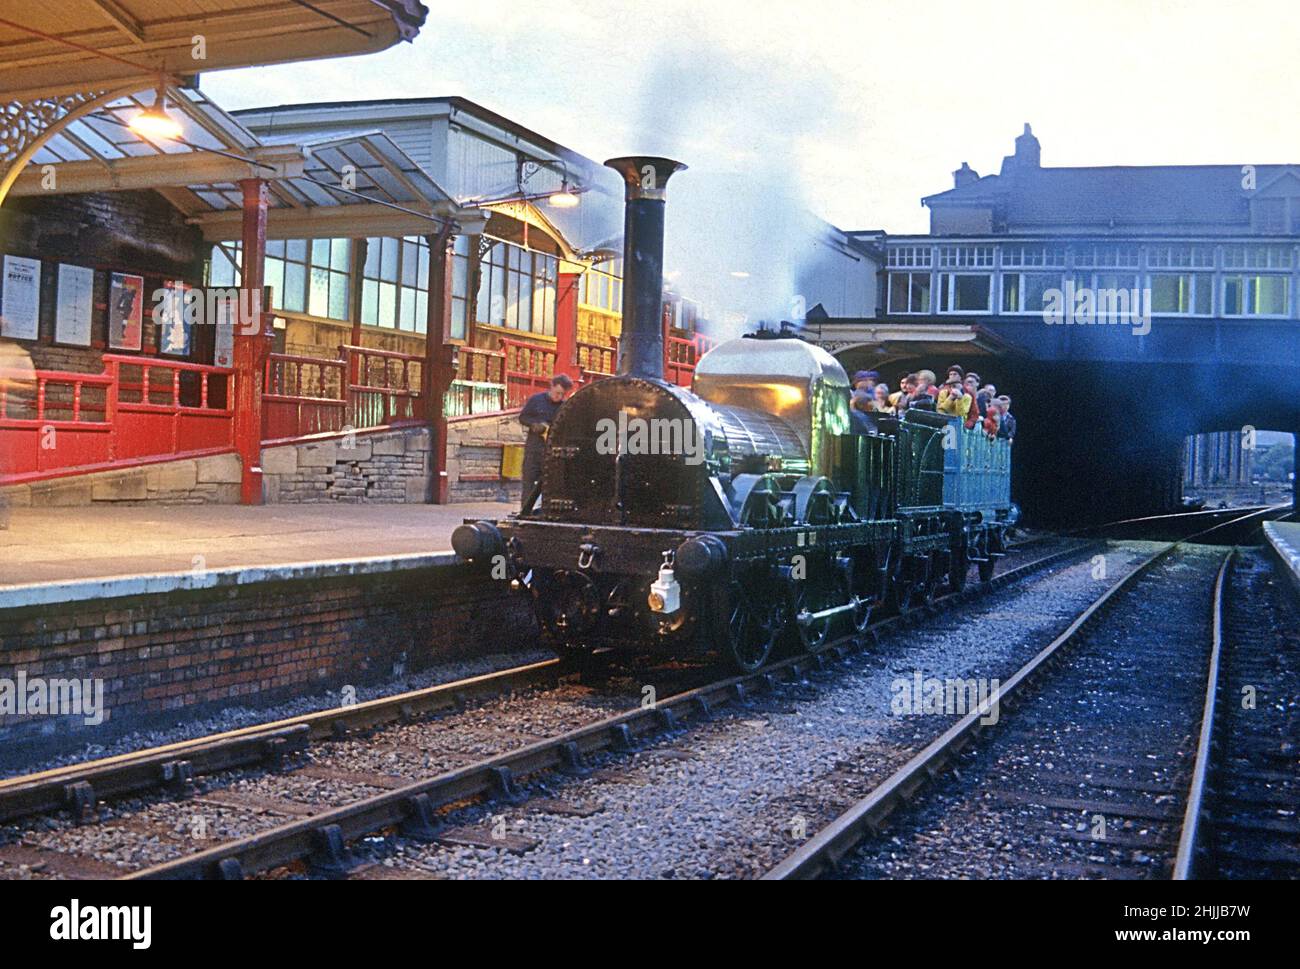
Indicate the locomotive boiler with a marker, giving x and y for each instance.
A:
(744, 514)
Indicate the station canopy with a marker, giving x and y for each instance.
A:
(349, 186)
(50, 48)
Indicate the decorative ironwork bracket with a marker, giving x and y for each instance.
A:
(27, 125)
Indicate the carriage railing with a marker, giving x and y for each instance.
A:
(923, 458)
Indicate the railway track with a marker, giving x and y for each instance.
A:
(79, 787)
(412, 807)
(1242, 819)
(1046, 799)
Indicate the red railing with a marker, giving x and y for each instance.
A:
(137, 411)
(597, 360)
(681, 354)
(480, 385)
(528, 369)
(363, 388)
(144, 409)
(385, 388)
(303, 395)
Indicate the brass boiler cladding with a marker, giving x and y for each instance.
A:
(796, 381)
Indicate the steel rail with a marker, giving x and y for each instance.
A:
(413, 808)
(824, 850)
(76, 785)
(1185, 861)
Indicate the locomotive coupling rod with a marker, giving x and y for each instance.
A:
(807, 618)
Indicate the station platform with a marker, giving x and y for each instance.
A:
(1284, 537)
(94, 548)
(172, 613)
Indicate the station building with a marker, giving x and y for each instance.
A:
(385, 222)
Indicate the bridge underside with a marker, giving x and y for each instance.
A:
(1100, 440)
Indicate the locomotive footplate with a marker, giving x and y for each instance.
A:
(639, 551)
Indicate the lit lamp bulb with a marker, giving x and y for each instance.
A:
(564, 198)
(154, 122)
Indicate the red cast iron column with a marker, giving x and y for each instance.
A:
(251, 343)
(439, 359)
(566, 325)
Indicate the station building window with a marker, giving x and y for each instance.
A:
(1182, 294)
(1180, 257)
(460, 288)
(601, 287)
(1258, 257)
(1256, 295)
(1025, 292)
(517, 288)
(1107, 257)
(908, 257)
(965, 292)
(395, 283)
(1033, 257)
(966, 257)
(909, 292)
(305, 276)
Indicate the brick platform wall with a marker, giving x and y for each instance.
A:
(169, 657)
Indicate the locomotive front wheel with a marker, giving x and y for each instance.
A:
(749, 631)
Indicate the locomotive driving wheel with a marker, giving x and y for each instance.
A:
(827, 592)
(749, 627)
(758, 500)
(814, 501)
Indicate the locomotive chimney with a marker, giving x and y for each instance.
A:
(646, 177)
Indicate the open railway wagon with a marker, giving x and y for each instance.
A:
(742, 515)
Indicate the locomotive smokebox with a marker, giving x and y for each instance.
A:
(646, 178)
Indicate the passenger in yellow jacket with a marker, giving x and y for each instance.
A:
(953, 400)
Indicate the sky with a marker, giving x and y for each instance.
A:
(859, 108)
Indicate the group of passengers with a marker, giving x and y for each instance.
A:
(961, 395)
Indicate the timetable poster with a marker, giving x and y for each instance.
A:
(20, 304)
(75, 303)
(126, 312)
(173, 326)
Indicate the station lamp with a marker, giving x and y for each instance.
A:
(565, 198)
(154, 122)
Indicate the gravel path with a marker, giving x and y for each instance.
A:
(726, 798)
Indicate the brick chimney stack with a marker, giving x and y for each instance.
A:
(1028, 154)
(964, 176)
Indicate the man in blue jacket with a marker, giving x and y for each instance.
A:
(537, 414)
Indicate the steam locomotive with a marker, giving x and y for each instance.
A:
(744, 515)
